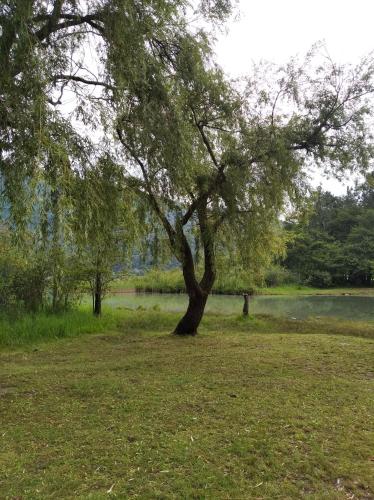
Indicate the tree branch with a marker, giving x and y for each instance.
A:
(152, 198)
(80, 79)
(205, 138)
(70, 20)
(207, 237)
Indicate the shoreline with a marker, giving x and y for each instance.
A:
(333, 292)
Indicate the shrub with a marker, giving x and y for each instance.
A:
(320, 279)
(278, 276)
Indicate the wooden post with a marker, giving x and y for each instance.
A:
(246, 304)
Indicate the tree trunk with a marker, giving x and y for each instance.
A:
(189, 323)
(97, 295)
(54, 293)
(246, 304)
(198, 292)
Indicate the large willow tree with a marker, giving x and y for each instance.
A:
(227, 162)
(200, 151)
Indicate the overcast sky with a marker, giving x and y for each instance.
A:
(275, 30)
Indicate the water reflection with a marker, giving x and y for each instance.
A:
(344, 307)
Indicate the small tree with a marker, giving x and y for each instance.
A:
(104, 227)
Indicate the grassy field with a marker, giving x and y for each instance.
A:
(258, 408)
(172, 282)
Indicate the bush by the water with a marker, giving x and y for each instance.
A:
(277, 276)
(320, 279)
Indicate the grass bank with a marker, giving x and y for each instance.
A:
(159, 281)
(31, 330)
(257, 408)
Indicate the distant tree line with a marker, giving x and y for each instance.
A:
(335, 246)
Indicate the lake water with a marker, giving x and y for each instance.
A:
(343, 307)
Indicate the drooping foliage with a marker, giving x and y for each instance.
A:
(55, 53)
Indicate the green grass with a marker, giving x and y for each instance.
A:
(31, 330)
(172, 282)
(251, 408)
(307, 290)
(41, 327)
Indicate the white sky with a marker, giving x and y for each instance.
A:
(276, 30)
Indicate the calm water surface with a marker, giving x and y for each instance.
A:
(343, 307)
